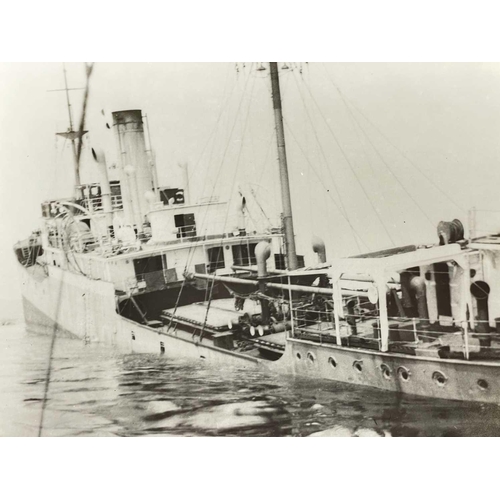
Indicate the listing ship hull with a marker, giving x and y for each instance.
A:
(63, 303)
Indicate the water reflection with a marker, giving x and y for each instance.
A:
(96, 391)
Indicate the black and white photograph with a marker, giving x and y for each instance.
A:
(218, 257)
(202, 250)
(251, 249)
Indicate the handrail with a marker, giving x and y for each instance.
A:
(96, 204)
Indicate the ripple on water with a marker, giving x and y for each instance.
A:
(96, 391)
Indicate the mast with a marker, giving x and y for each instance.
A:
(71, 134)
(291, 254)
(73, 145)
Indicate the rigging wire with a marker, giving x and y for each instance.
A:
(223, 107)
(347, 100)
(355, 233)
(342, 208)
(382, 159)
(228, 208)
(54, 330)
(353, 170)
(225, 101)
(48, 373)
(322, 150)
(191, 250)
(219, 170)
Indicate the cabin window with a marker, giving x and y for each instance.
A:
(170, 275)
(150, 271)
(116, 195)
(148, 265)
(244, 255)
(54, 238)
(95, 191)
(200, 268)
(279, 261)
(185, 224)
(215, 259)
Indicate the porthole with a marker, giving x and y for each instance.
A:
(332, 362)
(310, 357)
(483, 384)
(386, 371)
(440, 378)
(404, 373)
(358, 366)
(299, 356)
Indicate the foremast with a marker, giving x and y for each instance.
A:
(71, 134)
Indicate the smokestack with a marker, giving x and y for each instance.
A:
(129, 131)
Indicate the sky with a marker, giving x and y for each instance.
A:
(378, 153)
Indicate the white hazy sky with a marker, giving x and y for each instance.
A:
(443, 117)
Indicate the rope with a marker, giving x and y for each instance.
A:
(49, 367)
(54, 330)
(208, 309)
(344, 154)
(321, 149)
(328, 191)
(191, 249)
(344, 98)
(223, 108)
(227, 211)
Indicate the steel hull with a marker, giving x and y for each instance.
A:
(73, 305)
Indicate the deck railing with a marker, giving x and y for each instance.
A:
(483, 222)
(460, 339)
(96, 205)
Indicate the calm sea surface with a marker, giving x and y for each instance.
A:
(97, 391)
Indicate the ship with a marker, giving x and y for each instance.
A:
(125, 262)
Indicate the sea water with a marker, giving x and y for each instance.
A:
(95, 390)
